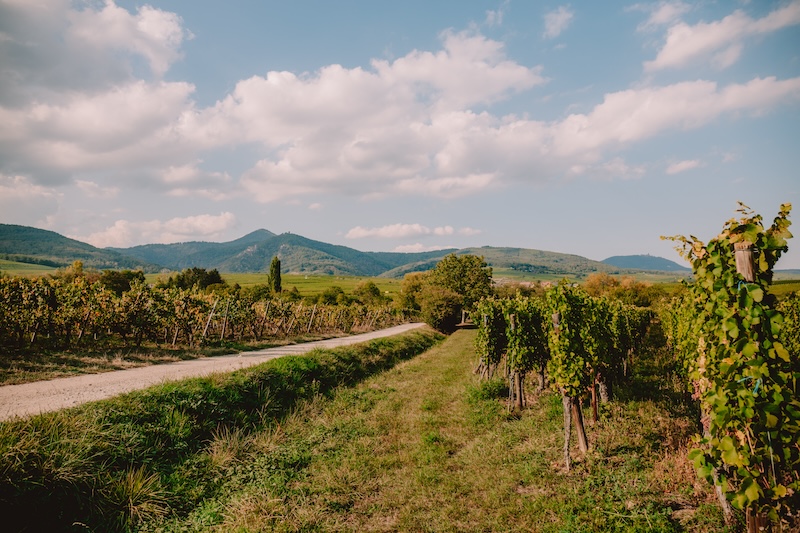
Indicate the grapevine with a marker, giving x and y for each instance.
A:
(743, 375)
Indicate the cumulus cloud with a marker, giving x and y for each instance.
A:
(637, 114)
(131, 126)
(402, 231)
(151, 33)
(125, 233)
(556, 21)
(720, 42)
(50, 47)
(682, 166)
(421, 124)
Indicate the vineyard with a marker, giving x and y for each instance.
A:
(727, 346)
(736, 348)
(53, 313)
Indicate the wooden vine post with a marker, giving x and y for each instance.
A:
(745, 266)
(745, 261)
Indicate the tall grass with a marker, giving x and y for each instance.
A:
(115, 464)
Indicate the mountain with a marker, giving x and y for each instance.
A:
(254, 252)
(182, 255)
(645, 262)
(33, 245)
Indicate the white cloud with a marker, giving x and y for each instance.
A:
(682, 166)
(152, 33)
(555, 22)
(316, 206)
(50, 48)
(637, 114)
(131, 126)
(446, 187)
(393, 231)
(494, 18)
(415, 248)
(402, 231)
(25, 202)
(615, 169)
(93, 190)
(419, 125)
(125, 233)
(719, 42)
(662, 14)
(443, 230)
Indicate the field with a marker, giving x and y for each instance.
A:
(306, 284)
(14, 268)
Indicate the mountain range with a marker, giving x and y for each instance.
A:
(254, 252)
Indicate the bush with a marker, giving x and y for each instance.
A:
(440, 307)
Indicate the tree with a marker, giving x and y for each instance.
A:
(368, 293)
(275, 275)
(195, 276)
(466, 275)
(119, 281)
(410, 288)
(440, 307)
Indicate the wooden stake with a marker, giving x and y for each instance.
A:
(208, 322)
(745, 260)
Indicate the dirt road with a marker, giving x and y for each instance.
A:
(44, 396)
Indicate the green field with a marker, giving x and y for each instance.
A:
(14, 268)
(306, 284)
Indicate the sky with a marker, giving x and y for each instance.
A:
(588, 128)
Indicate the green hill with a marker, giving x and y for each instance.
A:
(254, 252)
(25, 244)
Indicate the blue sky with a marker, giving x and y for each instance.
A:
(590, 128)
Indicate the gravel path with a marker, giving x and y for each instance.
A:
(42, 396)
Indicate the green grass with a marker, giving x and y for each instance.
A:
(14, 268)
(171, 450)
(781, 288)
(427, 447)
(24, 367)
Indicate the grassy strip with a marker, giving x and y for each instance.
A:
(24, 367)
(426, 447)
(109, 465)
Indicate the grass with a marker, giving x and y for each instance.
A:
(120, 464)
(425, 446)
(15, 268)
(782, 288)
(25, 367)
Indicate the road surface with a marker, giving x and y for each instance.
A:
(43, 396)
